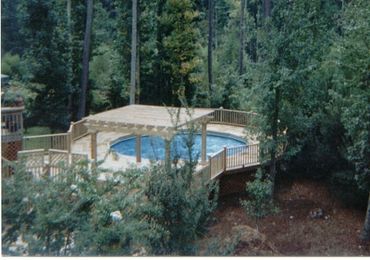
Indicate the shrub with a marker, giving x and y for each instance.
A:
(260, 202)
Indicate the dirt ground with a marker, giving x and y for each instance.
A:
(292, 232)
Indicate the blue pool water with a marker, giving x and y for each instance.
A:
(153, 147)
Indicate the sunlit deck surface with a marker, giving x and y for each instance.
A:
(145, 119)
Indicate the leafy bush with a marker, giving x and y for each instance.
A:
(10, 64)
(177, 210)
(147, 211)
(260, 203)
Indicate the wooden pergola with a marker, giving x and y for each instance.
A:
(149, 120)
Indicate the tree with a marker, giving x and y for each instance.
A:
(275, 115)
(267, 8)
(70, 59)
(178, 204)
(241, 35)
(178, 59)
(259, 203)
(45, 62)
(365, 234)
(133, 53)
(348, 66)
(85, 60)
(287, 87)
(210, 43)
(11, 39)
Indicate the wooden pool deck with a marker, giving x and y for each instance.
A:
(121, 162)
(93, 136)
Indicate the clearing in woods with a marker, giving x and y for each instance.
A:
(292, 232)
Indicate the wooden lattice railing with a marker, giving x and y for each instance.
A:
(7, 167)
(50, 162)
(11, 122)
(231, 117)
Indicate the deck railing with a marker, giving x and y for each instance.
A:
(232, 117)
(61, 141)
(34, 161)
(242, 155)
(78, 129)
(11, 123)
(6, 167)
(51, 141)
(217, 163)
(233, 158)
(49, 162)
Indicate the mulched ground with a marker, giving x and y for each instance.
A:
(292, 232)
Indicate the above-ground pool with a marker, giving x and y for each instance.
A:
(153, 147)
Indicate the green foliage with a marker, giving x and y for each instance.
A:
(11, 40)
(309, 61)
(11, 97)
(10, 64)
(216, 247)
(177, 210)
(349, 65)
(37, 130)
(43, 28)
(104, 79)
(114, 227)
(177, 60)
(147, 212)
(260, 203)
(17, 214)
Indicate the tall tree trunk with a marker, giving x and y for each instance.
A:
(85, 60)
(215, 39)
(138, 56)
(70, 71)
(275, 116)
(267, 8)
(133, 52)
(241, 35)
(275, 121)
(138, 71)
(365, 235)
(210, 43)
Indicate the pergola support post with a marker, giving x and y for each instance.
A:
(93, 147)
(138, 148)
(167, 156)
(204, 144)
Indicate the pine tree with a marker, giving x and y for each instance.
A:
(44, 28)
(177, 44)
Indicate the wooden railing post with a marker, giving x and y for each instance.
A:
(138, 148)
(69, 142)
(47, 168)
(225, 158)
(210, 166)
(204, 144)
(93, 147)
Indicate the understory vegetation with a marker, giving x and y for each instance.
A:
(136, 212)
(302, 66)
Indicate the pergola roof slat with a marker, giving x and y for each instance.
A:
(144, 119)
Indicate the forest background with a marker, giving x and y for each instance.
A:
(303, 66)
